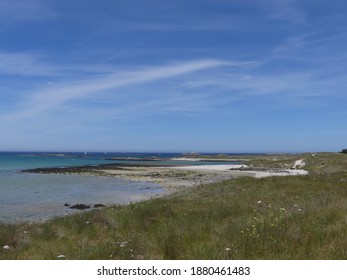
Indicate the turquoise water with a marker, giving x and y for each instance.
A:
(32, 197)
(17, 161)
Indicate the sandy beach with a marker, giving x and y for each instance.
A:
(178, 177)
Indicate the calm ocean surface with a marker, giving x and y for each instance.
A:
(33, 197)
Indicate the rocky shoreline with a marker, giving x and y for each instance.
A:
(172, 177)
(71, 169)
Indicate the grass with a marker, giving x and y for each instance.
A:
(302, 217)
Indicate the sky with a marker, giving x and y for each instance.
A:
(173, 76)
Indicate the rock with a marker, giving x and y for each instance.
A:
(99, 205)
(67, 205)
(80, 206)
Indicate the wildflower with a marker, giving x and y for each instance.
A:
(299, 209)
(227, 249)
(259, 202)
(282, 209)
(6, 247)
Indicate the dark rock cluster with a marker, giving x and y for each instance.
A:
(81, 206)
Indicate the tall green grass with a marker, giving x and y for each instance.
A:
(302, 217)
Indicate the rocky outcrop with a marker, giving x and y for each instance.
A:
(99, 205)
(82, 206)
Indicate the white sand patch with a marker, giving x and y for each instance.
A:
(212, 167)
(299, 164)
(286, 172)
(186, 159)
(253, 173)
(207, 159)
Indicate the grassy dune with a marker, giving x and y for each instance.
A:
(302, 217)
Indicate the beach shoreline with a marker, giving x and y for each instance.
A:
(174, 177)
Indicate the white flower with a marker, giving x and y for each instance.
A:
(123, 244)
(6, 247)
(259, 202)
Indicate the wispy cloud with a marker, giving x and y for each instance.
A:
(51, 97)
(25, 64)
(31, 65)
(196, 23)
(285, 10)
(245, 86)
(24, 10)
(291, 44)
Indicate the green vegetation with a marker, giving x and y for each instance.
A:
(303, 217)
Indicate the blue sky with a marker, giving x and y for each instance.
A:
(173, 76)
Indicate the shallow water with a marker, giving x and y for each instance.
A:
(28, 197)
(33, 197)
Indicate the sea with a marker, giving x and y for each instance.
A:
(31, 197)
